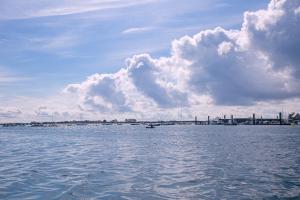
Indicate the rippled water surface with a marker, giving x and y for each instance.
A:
(168, 162)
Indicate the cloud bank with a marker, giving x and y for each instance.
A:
(258, 63)
(9, 113)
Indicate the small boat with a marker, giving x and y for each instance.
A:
(150, 126)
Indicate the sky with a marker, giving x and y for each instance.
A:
(147, 59)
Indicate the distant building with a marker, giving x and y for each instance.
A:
(130, 120)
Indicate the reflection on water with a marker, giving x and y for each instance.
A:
(131, 162)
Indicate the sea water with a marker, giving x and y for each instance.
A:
(132, 162)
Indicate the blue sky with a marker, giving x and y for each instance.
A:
(44, 53)
(96, 59)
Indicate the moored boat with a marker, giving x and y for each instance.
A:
(150, 126)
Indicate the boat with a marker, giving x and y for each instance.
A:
(150, 126)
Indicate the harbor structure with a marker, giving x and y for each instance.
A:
(294, 118)
(280, 118)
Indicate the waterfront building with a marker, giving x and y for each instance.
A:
(130, 120)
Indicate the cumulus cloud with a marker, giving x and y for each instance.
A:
(229, 73)
(149, 78)
(275, 32)
(102, 92)
(258, 63)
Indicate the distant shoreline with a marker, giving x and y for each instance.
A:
(237, 121)
(293, 119)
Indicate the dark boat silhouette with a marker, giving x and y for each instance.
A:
(150, 126)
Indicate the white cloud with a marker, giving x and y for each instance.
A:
(137, 30)
(150, 77)
(102, 92)
(18, 9)
(297, 11)
(218, 71)
(59, 108)
(54, 43)
(224, 48)
(259, 63)
(10, 113)
(275, 32)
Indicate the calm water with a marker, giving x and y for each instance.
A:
(131, 162)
